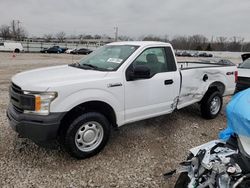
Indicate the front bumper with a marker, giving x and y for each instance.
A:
(35, 127)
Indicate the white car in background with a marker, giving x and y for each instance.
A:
(11, 47)
(243, 81)
(68, 51)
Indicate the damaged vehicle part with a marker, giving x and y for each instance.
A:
(223, 163)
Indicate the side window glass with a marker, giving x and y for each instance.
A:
(171, 65)
(154, 58)
(1, 44)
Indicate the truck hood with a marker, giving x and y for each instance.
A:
(43, 78)
(243, 72)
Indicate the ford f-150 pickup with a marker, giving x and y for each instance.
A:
(119, 83)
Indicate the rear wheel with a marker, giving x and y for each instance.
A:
(16, 50)
(87, 135)
(211, 105)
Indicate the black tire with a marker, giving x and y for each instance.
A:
(207, 111)
(16, 50)
(182, 181)
(72, 133)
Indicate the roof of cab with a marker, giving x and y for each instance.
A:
(140, 43)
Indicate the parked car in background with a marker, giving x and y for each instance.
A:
(186, 54)
(11, 47)
(68, 51)
(64, 50)
(84, 51)
(53, 49)
(178, 53)
(243, 81)
(194, 54)
(204, 54)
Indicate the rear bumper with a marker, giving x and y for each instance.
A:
(35, 127)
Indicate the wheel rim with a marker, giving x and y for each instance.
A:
(89, 136)
(215, 105)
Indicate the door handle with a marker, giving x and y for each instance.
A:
(168, 82)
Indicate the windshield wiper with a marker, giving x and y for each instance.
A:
(76, 64)
(89, 65)
(86, 66)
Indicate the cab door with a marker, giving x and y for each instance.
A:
(157, 94)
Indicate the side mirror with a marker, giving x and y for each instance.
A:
(140, 72)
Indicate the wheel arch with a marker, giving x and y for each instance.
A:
(217, 86)
(90, 106)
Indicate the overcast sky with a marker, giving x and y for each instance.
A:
(134, 18)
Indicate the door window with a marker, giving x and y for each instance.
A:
(154, 59)
(157, 59)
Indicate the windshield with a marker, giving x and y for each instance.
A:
(245, 64)
(107, 58)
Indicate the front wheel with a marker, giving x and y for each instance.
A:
(211, 105)
(87, 135)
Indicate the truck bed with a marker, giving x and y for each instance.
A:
(183, 65)
(196, 77)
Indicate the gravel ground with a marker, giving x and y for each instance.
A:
(136, 156)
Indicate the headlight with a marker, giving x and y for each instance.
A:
(42, 102)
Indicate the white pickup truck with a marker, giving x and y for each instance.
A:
(117, 84)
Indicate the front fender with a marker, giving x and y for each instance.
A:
(66, 103)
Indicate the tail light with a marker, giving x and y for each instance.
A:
(236, 76)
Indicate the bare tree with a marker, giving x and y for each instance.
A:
(221, 40)
(165, 38)
(61, 36)
(17, 31)
(87, 37)
(197, 42)
(152, 38)
(246, 47)
(180, 42)
(235, 44)
(104, 36)
(48, 37)
(220, 43)
(5, 32)
(97, 36)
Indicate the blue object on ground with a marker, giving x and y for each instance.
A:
(225, 134)
(238, 115)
